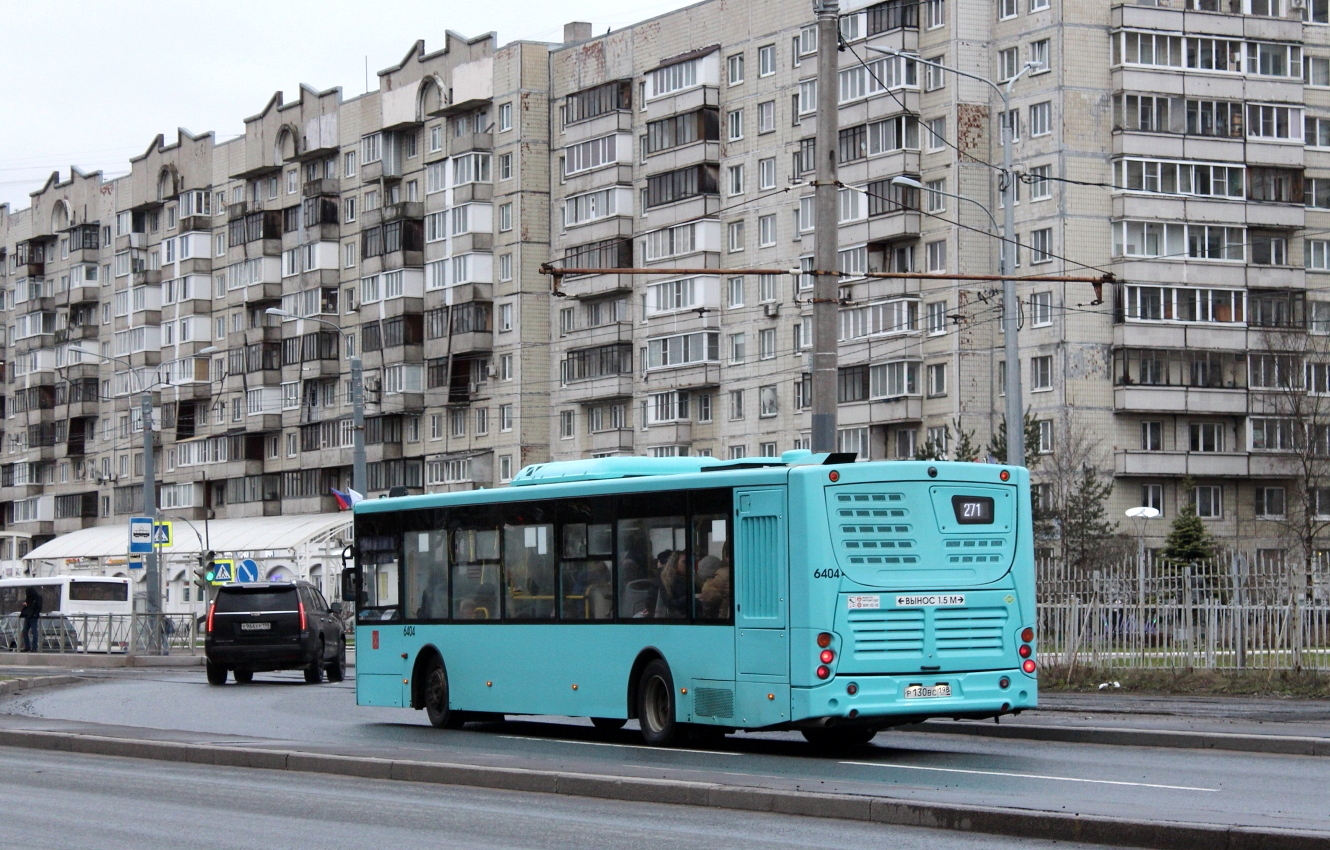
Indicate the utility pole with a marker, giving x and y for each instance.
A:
(826, 267)
(153, 573)
(1010, 319)
(358, 482)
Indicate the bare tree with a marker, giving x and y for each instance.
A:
(1289, 380)
(1072, 517)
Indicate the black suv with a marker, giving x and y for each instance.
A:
(274, 626)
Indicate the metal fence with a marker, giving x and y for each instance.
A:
(1240, 611)
(142, 634)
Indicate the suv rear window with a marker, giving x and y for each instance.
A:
(243, 599)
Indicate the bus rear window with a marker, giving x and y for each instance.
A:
(98, 591)
(241, 600)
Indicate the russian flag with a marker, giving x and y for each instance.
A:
(346, 500)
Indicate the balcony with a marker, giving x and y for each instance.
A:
(1204, 400)
(614, 440)
(669, 433)
(683, 377)
(1198, 464)
(598, 389)
(470, 142)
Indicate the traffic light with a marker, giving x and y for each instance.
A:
(206, 570)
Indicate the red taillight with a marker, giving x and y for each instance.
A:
(1025, 650)
(211, 610)
(1027, 634)
(1028, 666)
(827, 656)
(1004, 475)
(302, 615)
(824, 671)
(824, 640)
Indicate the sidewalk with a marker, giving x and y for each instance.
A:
(1290, 726)
(82, 660)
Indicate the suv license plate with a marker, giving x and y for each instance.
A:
(255, 627)
(924, 692)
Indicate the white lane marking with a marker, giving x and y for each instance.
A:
(623, 746)
(1028, 776)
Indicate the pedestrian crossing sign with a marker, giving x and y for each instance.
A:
(161, 534)
(223, 572)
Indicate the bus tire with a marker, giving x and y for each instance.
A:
(434, 695)
(840, 738)
(655, 705)
(243, 677)
(216, 674)
(608, 724)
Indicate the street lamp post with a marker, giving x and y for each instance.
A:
(358, 475)
(1015, 411)
(152, 569)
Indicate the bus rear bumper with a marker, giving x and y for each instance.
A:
(882, 699)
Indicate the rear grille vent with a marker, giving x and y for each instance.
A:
(713, 702)
(887, 633)
(967, 631)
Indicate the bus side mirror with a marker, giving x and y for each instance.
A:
(349, 585)
(336, 608)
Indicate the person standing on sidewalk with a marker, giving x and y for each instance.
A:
(31, 615)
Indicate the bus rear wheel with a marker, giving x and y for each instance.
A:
(436, 698)
(655, 705)
(839, 738)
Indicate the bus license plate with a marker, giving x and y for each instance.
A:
(925, 692)
(255, 627)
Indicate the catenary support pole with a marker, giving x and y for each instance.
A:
(825, 261)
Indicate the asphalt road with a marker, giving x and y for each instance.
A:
(1199, 786)
(59, 800)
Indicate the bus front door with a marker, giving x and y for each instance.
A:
(761, 578)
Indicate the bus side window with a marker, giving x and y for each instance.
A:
(378, 560)
(425, 553)
(529, 561)
(653, 557)
(476, 578)
(713, 575)
(586, 547)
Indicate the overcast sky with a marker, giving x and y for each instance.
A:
(91, 82)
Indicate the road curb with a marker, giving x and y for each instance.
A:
(1291, 745)
(996, 821)
(13, 686)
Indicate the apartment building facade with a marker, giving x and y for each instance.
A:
(1177, 144)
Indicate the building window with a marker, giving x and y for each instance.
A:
(505, 417)
(1208, 500)
(937, 256)
(1041, 309)
(735, 230)
(1041, 119)
(1040, 188)
(766, 344)
(937, 134)
(767, 400)
(1041, 245)
(1152, 436)
(566, 424)
(1206, 437)
(736, 404)
(937, 379)
(937, 317)
(1039, 56)
(1270, 502)
(1152, 496)
(766, 60)
(505, 117)
(735, 179)
(935, 199)
(734, 65)
(738, 348)
(1006, 9)
(1045, 436)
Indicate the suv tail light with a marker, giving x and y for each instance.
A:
(211, 610)
(302, 615)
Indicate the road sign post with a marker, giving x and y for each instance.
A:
(140, 535)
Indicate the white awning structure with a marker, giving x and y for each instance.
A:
(256, 537)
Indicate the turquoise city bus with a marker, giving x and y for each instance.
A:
(807, 592)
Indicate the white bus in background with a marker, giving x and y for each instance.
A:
(84, 602)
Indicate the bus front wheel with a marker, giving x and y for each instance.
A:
(655, 705)
(436, 698)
